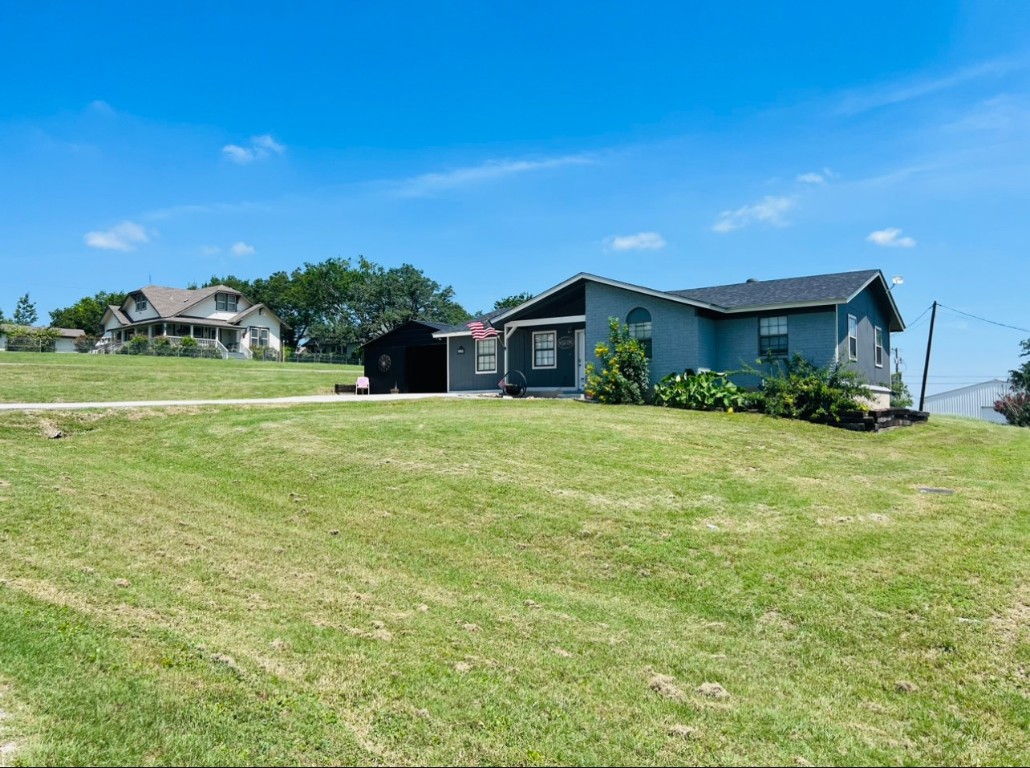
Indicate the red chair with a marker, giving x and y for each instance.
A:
(363, 384)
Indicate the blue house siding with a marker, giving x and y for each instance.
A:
(809, 334)
(674, 326)
(520, 356)
(463, 366)
(708, 342)
(870, 314)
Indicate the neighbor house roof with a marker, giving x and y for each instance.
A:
(172, 302)
(118, 314)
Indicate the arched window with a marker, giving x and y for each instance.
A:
(639, 322)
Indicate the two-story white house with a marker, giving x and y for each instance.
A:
(219, 318)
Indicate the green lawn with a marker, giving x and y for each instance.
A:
(514, 582)
(27, 377)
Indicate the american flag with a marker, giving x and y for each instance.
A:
(480, 331)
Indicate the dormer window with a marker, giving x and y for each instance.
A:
(141, 302)
(226, 302)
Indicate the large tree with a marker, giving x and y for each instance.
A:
(386, 298)
(87, 313)
(25, 313)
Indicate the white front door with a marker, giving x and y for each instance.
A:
(581, 359)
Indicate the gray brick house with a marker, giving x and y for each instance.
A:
(846, 316)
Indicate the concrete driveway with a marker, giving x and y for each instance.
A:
(348, 398)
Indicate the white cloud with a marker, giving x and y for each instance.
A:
(864, 100)
(261, 148)
(242, 249)
(769, 210)
(210, 250)
(889, 238)
(122, 237)
(266, 142)
(238, 154)
(811, 178)
(642, 241)
(100, 106)
(492, 169)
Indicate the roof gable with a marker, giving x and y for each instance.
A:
(172, 302)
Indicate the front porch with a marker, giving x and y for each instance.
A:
(177, 338)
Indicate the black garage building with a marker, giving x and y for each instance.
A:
(408, 358)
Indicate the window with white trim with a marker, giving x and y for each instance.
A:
(258, 337)
(638, 322)
(486, 356)
(772, 336)
(852, 337)
(226, 302)
(545, 349)
(879, 347)
(141, 302)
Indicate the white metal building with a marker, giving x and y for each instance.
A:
(975, 401)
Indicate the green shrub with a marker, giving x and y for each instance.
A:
(138, 344)
(623, 378)
(798, 389)
(26, 339)
(705, 391)
(85, 343)
(162, 347)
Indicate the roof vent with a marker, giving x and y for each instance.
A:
(752, 280)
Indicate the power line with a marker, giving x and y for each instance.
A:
(928, 307)
(984, 319)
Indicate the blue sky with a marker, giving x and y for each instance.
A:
(504, 147)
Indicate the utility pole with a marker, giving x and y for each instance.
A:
(926, 366)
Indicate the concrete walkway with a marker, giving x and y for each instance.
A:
(348, 398)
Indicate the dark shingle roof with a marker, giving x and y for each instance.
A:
(792, 290)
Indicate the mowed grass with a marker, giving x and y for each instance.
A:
(27, 377)
(510, 582)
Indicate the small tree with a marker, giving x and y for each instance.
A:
(623, 378)
(1015, 406)
(25, 313)
(900, 396)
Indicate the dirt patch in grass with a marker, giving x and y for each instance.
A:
(665, 685)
